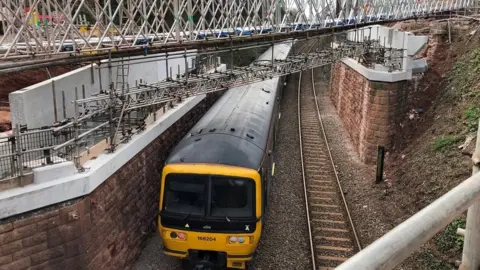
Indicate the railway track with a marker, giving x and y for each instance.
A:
(332, 234)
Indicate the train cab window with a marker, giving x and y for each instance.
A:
(186, 194)
(232, 197)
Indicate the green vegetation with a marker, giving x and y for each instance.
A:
(465, 73)
(434, 263)
(464, 87)
(472, 114)
(456, 111)
(442, 143)
(449, 239)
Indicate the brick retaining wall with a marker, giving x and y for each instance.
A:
(106, 229)
(369, 110)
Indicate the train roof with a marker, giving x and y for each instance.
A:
(234, 131)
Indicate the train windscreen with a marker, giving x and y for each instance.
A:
(186, 194)
(233, 197)
(226, 197)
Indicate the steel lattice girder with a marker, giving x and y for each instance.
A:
(46, 27)
(143, 96)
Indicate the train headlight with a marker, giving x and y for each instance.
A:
(178, 236)
(237, 239)
(241, 240)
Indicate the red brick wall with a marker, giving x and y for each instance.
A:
(369, 110)
(106, 229)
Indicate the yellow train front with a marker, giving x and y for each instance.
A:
(215, 181)
(210, 215)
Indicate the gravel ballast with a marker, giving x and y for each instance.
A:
(284, 244)
(153, 258)
(356, 178)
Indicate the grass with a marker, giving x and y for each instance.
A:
(443, 143)
(472, 114)
(464, 75)
(449, 239)
(464, 82)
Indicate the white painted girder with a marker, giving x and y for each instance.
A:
(123, 23)
(174, 88)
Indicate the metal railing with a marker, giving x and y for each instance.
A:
(374, 50)
(24, 150)
(394, 247)
(111, 116)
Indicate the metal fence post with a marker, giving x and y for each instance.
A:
(471, 244)
(48, 156)
(13, 158)
(380, 161)
(18, 141)
(76, 126)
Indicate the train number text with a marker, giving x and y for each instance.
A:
(206, 238)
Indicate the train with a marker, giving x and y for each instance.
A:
(215, 181)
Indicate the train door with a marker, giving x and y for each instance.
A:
(277, 110)
(265, 180)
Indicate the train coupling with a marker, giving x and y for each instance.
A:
(207, 260)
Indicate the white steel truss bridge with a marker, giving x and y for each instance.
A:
(33, 28)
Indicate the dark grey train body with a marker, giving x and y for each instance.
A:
(224, 204)
(236, 130)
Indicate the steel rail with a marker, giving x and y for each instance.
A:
(357, 241)
(312, 248)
